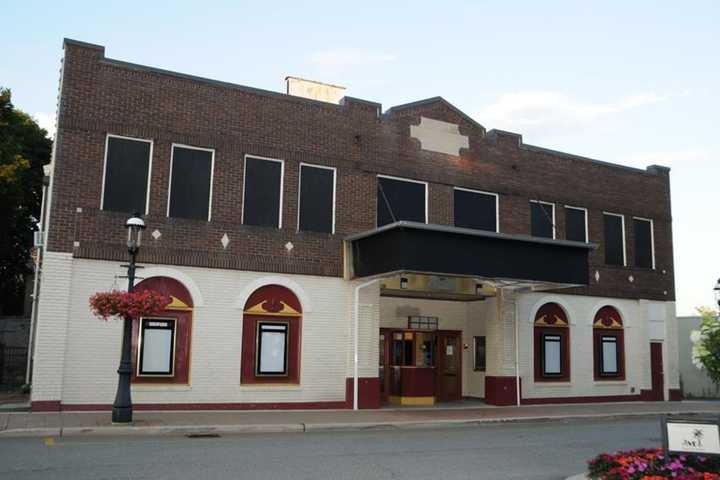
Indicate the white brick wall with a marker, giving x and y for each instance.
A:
(77, 359)
(76, 354)
(50, 342)
(581, 311)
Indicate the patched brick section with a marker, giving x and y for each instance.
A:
(102, 96)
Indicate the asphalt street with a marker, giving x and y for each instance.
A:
(543, 450)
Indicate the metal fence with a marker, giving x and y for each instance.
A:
(13, 361)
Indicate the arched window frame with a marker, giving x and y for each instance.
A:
(608, 328)
(272, 309)
(180, 313)
(551, 325)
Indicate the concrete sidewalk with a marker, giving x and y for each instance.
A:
(263, 421)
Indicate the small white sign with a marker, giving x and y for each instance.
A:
(693, 438)
(449, 350)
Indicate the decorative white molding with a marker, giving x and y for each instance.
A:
(438, 136)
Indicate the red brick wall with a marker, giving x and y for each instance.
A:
(101, 96)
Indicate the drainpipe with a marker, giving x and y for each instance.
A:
(356, 320)
(36, 284)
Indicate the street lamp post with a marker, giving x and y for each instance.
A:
(122, 407)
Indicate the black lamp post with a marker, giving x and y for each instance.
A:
(717, 293)
(122, 407)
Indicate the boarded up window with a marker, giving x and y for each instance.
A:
(261, 202)
(400, 200)
(317, 185)
(575, 224)
(614, 242)
(127, 166)
(542, 219)
(643, 243)
(475, 210)
(190, 183)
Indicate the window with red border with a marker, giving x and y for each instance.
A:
(552, 344)
(608, 345)
(161, 344)
(272, 322)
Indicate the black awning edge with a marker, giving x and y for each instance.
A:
(470, 231)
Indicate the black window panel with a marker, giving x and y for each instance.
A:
(126, 175)
(643, 243)
(316, 199)
(261, 205)
(541, 220)
(406, 199)
(480, 353)
(575, 224)
(475, 210)
(190, 183)
(614, 251)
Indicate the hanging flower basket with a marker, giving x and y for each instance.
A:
(128, 304)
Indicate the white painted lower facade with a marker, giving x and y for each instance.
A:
(76, 355)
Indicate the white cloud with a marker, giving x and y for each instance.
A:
(46, 121)
(342, 58)
(545, 111)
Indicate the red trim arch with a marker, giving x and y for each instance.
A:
(271, 305)
(181, 310)
(551, 325)
(608, 328)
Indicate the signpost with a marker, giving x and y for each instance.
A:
(699, 435)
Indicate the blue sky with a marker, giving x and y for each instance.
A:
(634, 83)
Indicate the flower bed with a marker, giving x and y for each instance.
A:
(650, 464)
(128, 304)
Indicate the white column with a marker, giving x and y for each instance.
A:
(52, 327)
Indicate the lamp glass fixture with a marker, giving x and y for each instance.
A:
(135, 225)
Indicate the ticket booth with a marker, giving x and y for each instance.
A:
(420, 366)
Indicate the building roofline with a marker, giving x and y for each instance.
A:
(491, 134)
(430, 100)
(211, 81)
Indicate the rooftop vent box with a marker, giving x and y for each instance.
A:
(324, 92)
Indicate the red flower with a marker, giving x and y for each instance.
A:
(128, 304)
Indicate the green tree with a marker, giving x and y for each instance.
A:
(706, 344)
(24, 149)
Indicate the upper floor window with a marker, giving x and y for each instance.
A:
(542, 219)
(474, 209)
(614, 239)
(190, 191)
(126, 179)
(316, 211)
(262, 192)
(576, 227)
(644, 243)
(400, 199)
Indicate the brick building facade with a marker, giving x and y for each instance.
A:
(102, 101)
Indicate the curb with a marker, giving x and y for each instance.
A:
(579, 476)
(160, 430)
